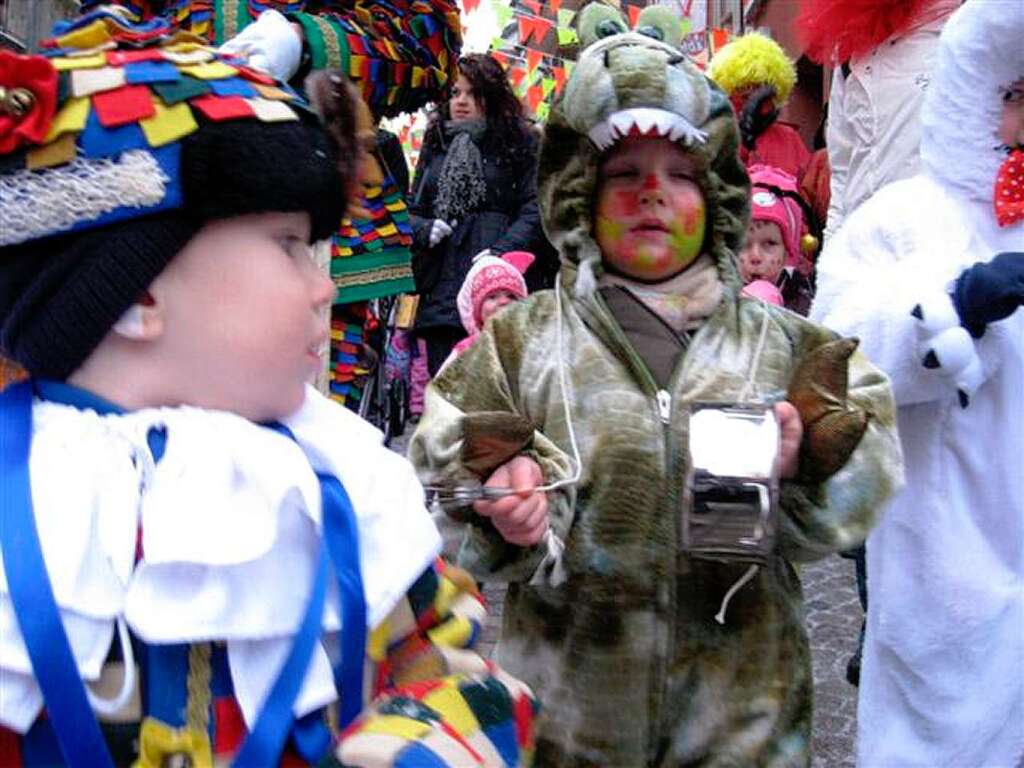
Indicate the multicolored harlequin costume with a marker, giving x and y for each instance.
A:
(401, 55)
(145, 552)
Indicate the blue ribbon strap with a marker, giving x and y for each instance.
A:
(342, 537)
(265, 742)
(53, 664)
(77, 731)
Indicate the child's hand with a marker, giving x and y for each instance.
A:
(791, 431)
(523, 518)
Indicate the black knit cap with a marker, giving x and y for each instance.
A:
(59, 296)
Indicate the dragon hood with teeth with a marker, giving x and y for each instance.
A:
(628, 81)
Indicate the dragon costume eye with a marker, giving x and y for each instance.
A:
(610, 27)
(598, 21)
(650, 31)
(660, 23)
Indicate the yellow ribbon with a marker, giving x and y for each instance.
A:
(158, 743)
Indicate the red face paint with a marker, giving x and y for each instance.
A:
(649, 236)
(625, 202)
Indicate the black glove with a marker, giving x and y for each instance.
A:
(756, 115)
(986, 293)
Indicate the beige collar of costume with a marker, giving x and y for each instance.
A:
(684, 301)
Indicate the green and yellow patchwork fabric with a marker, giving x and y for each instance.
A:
(370, 258)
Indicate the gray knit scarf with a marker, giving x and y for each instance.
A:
(461, 188)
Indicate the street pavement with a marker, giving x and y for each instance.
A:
(833, 623)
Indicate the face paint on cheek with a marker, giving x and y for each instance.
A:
(624, 203)
(687, 231)
(609, 229)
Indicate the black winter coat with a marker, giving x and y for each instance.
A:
(507, 220)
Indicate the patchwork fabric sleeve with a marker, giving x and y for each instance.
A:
(851, 460)
(485, 382)
(400, 55)
(437, 702)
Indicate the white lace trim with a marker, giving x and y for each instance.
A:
(38, 203)
(230, 520)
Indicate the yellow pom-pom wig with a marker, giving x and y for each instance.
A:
(753, 59)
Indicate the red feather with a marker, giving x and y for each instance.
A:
(836, 31)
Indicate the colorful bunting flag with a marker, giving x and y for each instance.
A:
(559, 75)
(533, 28)
(533, 59)
(534, 96)
(502, 12)
(567, 36)
(533, 6)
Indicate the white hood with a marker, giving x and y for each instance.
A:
(981, 53)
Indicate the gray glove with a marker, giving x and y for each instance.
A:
(439, 230)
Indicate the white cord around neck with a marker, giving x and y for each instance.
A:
(756, 365)
(564, 390)
(744, 394)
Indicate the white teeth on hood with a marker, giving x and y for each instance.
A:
(668, 124)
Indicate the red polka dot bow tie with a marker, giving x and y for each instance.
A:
(1009, 191)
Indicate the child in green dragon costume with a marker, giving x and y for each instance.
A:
(577, 399)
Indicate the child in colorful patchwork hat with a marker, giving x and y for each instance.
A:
(187, 525)
(779, 245)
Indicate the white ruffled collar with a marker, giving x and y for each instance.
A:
(230, 528)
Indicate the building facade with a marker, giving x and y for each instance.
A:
(24, 22)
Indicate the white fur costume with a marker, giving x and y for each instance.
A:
(942, 682)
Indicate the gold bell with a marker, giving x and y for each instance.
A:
(809, 244)
(16, 102)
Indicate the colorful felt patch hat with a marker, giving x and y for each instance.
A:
(116, 144)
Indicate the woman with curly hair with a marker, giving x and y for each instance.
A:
(474, 191)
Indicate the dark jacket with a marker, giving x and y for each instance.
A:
(508, 220)
(392, 157)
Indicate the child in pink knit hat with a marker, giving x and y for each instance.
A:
(490, 284)
(773, 251)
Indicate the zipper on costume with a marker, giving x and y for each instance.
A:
(664, 400)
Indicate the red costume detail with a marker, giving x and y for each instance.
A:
(37, 75)
(1009, 190)
(836, 31)
(780, 145)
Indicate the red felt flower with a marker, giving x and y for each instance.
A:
(1009, 190)
(29, 101)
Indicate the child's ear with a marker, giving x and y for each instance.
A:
(142, 321)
